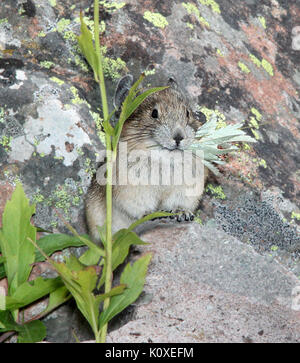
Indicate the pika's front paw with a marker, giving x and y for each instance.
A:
(185, 216)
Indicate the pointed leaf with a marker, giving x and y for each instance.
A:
(56, 242)
(149, 217)
(85, 41)
(16, 249)
(32, 332)
(139, 99)
(56, 298)
(31, 291)
(134, 277)
(122, 240)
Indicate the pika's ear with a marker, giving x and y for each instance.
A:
(122, 90)
(172, 83)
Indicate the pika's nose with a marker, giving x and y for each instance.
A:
(178, 137)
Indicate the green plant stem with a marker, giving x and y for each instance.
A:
(99, 55)
(109, 161)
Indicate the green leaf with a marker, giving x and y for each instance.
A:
(34, 331)
(149, 217)
(122, 240)
(16, 249)
(139, 99)
(134, 277)
(31, 291)
(31, 332)
(56, 242)
(85, 41)
(128, 100)
(81, 281)
(7, 322)
(92, 255)
(56, 298)
(2, 270)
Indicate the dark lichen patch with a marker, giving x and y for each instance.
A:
(280, 168)
(163, 7)
(134, 49)
(53, 45)
(225, 96)
(233, 12)
(28, 9)
(257, 222)
(11, 63)
(15, 99)
(40, 168)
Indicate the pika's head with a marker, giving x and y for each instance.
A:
(163, 121)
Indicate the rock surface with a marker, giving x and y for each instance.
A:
(238, 60)
(212, 289)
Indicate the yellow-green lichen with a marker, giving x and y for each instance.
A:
(3, 20)
(98, 122)
(41, 34)
(246, 146)
(62, 24)
(89, 169)
(150, 72)
(111, 6)
(208, 113)
(262, 21)
(2, 113)
(253, 122)
(267, 67)
(296, 216)
(113, 67)
(190, 25)
(70, 35)
(255, 60)
(192, 9)
(218, 51)
(256, 113)
(156, 19)
(262, 163)
(79, 151)
(38, 197)
(64, 197)
(57, 80)
(216, 191)
(76, 99)
(52, 2)
(5, 142)
(47, 64)
(79, 62)
(255, 134)
(214, 6)
(243, 67)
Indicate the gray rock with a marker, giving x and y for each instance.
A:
(207, 286)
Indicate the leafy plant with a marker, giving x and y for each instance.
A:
(123, 238)
(214, 141)
(18, 256)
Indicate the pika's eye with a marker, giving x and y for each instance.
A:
(187, 114)
(154, 113)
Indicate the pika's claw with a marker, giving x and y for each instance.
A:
(183, 216)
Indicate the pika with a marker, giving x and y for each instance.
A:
(162, 128)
